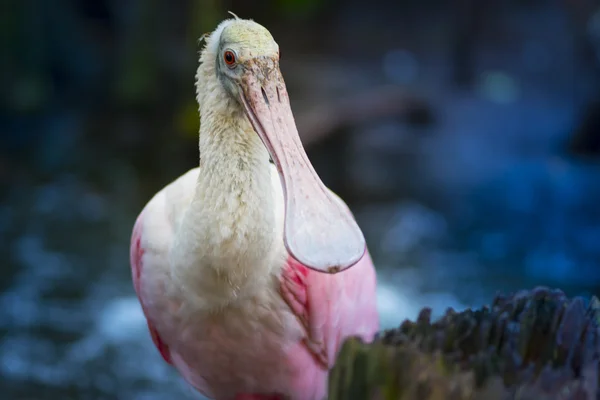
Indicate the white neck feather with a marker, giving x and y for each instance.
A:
(225, 246)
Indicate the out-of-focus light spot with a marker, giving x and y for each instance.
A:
(122, 319)
(498, 87)
(393, 306)
(412, 225)
(27, 357)
(400, 66)
(402, 300)
(30, 252)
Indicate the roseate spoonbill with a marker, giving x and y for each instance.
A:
(242, 265)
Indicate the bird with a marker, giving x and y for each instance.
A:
(250, 272)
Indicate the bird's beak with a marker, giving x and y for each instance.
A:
(320, 231)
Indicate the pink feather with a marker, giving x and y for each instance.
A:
(329, 308)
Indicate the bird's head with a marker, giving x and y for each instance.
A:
(319, 231)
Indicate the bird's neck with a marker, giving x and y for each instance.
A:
(234, 195)
(232, 224)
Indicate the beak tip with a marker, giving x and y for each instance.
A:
(328, 259)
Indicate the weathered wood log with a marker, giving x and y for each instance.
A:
(533, 345)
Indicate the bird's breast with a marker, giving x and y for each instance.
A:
(258, 343)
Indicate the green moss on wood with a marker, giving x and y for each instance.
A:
(533, 345)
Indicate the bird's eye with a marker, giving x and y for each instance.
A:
(229, 57)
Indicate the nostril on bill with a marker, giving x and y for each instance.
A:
(278, 95)
(264, 95)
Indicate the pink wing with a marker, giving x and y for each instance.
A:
(332, 306)
(136, 258)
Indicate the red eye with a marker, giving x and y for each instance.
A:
(229, 57)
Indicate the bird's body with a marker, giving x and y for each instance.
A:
(215, 263)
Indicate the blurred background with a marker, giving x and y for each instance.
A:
(465, 136)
